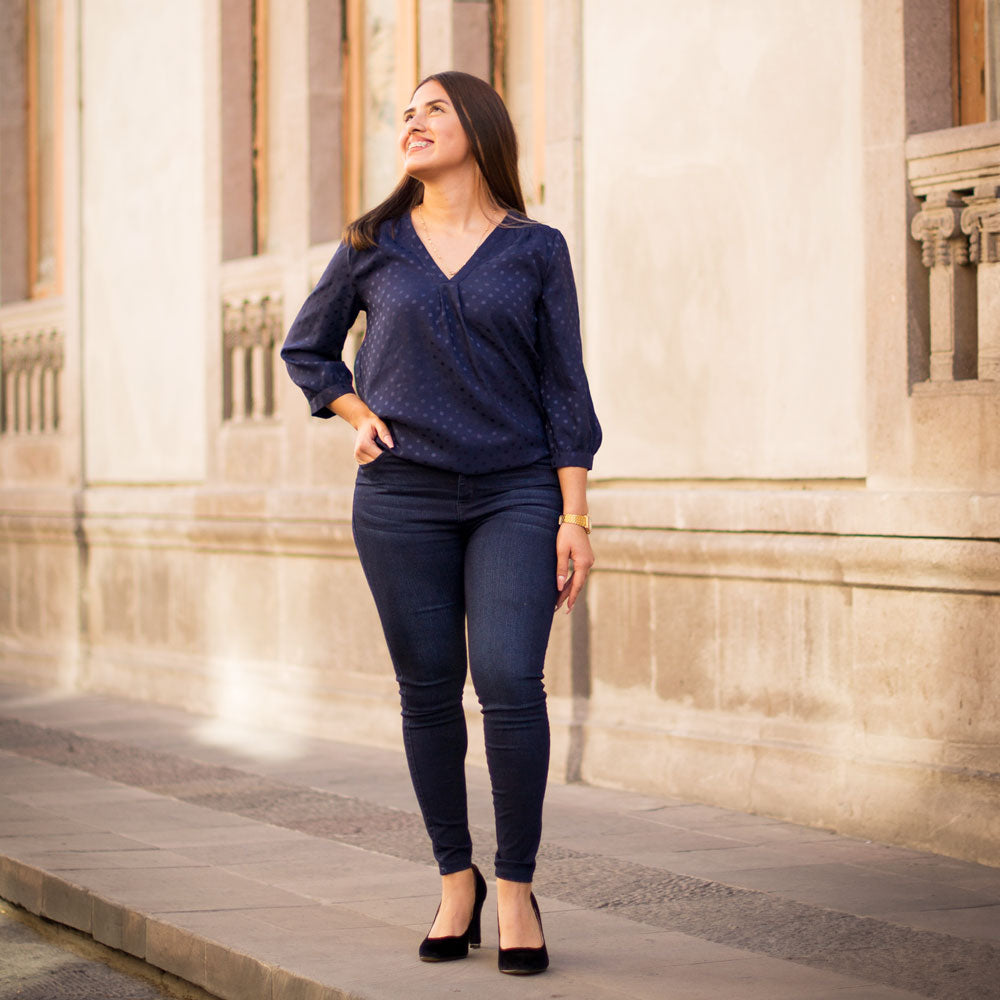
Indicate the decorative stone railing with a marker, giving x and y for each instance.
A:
(252, 328)
(956, 175)
(31, 364)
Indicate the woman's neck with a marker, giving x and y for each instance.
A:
(458, 204)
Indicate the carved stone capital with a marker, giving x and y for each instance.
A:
(938, 227)
(252, 322)
(27, 352)
(981, 222)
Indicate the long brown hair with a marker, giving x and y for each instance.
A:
(493, 142)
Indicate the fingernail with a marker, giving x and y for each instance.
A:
(560, 580)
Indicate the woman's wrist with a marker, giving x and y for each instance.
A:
(573, 484)
(351, 408)
(580, 520)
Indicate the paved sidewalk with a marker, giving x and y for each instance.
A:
(261, 866)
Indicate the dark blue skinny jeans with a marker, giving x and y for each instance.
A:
(463, 572)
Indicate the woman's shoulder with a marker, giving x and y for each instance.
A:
(360, 248)
(536, 234)
(389, 230)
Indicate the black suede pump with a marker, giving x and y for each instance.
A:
(448, 949)
(525, 961)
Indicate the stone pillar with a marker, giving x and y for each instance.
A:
(455, 34)
(13, 154)
(952, 287)
(471, 37)
(981, 221)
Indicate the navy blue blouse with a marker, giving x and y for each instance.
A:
(478, 373)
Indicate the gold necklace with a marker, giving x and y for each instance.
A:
(436, 254)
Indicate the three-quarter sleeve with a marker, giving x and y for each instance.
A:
(571, 424)
(313, 349)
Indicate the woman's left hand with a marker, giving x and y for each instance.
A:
(572, 543)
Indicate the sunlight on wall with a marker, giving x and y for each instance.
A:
(242, 704)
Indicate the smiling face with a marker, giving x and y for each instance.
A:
(432, 139)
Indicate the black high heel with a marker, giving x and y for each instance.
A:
(525, 961)
(447, 949)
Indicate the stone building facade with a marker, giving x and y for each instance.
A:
(789, 271)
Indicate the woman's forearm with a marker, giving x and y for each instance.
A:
(352, 408)
(573, 483)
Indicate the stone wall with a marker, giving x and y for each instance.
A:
(795, 605)
(722, 209)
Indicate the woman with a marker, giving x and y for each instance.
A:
(475, 431)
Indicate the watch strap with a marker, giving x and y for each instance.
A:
(581, 519)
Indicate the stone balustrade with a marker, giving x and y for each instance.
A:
(252, 328)
(956, 175)
(31, 363)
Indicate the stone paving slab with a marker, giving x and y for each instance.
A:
(300, 869)
(836, 886)
(977, 923)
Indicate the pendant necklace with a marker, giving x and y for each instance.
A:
(436, 254)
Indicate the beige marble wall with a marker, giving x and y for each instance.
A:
(722, 206)
(142, 256)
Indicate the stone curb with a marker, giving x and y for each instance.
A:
(198, 960)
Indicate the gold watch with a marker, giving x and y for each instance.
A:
(581, 519)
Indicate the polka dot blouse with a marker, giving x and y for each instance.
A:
(475, 374)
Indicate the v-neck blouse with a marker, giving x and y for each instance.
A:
(477, 373)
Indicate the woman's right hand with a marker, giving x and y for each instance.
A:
(353, 409)
(366, 448)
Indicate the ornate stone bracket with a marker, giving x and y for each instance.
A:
(31, 365)
(251, 329)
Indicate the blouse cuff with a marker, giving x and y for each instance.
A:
(320, 403)
(576, 459)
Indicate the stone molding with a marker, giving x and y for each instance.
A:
(720, 510)
(909, 563)
(803, 511)
(952, 158)
(837, 560)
